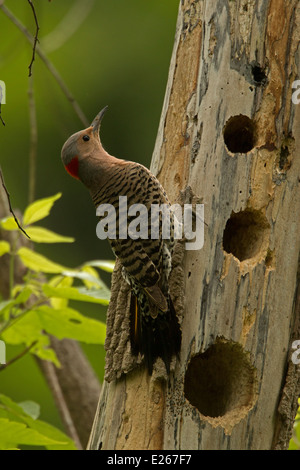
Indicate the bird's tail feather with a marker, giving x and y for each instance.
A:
(154, 337)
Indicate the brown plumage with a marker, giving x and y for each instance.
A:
(146, 262)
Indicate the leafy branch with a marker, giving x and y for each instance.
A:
(18, 319)
(40, 306)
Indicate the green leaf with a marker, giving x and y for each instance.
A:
(17, 427)
(94, 279)
(59, 281)
(10, 405)
(84, 276)
(6, 304)
(98, 296)
(43, 235)
(9, 224)
(68, 323)
(39, 209)
(4, 248)
(16, 433)
(102, 264)
(62, 323)
(28, 330)
(46, 353)
(22, 296)
(31, 408)
(39, 263)
(24, 331)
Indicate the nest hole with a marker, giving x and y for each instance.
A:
(221, 380)
(239, 134)
(258, 74)
(246, 235)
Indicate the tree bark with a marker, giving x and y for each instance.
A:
(229, 136)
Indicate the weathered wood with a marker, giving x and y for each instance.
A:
(229, 130)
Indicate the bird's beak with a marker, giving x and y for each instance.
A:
(97, 121)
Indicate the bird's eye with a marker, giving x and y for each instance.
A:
(86, 138)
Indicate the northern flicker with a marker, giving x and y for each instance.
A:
(146, 263)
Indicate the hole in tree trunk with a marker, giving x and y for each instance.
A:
(239, 134)
(246, 235)
(258, 74)
(221, 381)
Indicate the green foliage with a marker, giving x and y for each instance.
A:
(116, 72)
(4, 248)
(295, 441)
(19, 426)
(38, 263)
(39, 307)
(40, 209)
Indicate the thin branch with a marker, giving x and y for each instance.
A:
(61, 403)
(9, 203)
(48, 64)
(68, 26)
(35, 41)
(19, 356)
(33, 141)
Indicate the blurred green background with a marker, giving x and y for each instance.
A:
(114, 53)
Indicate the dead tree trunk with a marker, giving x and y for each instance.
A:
(229, 130)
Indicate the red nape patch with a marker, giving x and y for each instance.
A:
(72, 167)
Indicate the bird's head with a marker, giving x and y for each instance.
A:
(82, 147)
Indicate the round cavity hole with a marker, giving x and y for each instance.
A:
(239, 134)
(221, 381)
(258, 74)
(246, 235)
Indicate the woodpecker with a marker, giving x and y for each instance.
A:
(146, 263)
